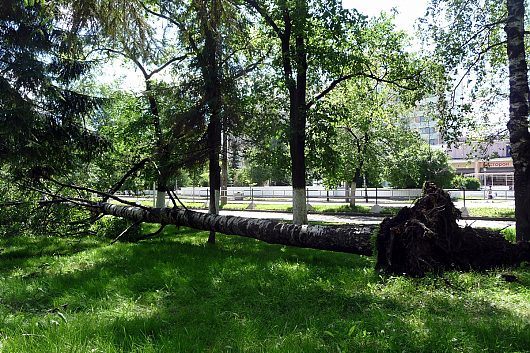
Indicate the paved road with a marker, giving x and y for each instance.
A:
(352, 219)
(496, 203)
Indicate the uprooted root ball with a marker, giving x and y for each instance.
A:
(427, 238)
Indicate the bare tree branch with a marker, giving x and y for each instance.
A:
(178, 199)
(250, 67)
(171, 61)
(101, 193)
(143, 237)
(268, 19)
(485, 27)
(470, 67)
(328, 89)
(134, 60)
(147, 75)
(172, 199)
(370, 75)
(180, 25)
(125, 231)
(136, 167)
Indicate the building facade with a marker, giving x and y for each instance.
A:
(490, 162)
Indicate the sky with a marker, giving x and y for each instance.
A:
(409, 10)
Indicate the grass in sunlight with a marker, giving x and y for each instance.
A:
(175, 293)
(491, 212)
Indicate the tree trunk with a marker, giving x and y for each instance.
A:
(162, 184)
(299, 206)
(354, 186)
(224, 168)
(347, 192)
(212, 88)
(298, 117)
(518, 123)
(365, 182)
(348, 239)
(353, 191)
(161, 151)
(160, 198)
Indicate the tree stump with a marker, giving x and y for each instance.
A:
(427, 238)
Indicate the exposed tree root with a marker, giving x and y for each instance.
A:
(427, 238)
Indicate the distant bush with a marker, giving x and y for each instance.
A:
(468, 183)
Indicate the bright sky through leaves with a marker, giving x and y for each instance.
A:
(408, 10)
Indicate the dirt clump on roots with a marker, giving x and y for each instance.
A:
(427, 238)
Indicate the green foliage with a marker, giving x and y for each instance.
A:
(468, 183)
(355, 129)
(199, 176)
(43, 122)
(15, 209)
(81, 295)
(241, 177)
(509, 234)
(469, 43)
(129, 131)
(270, 163)
(265, 150)
(25, 212)
(416, 164)
(111, 227)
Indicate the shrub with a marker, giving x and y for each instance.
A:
(468, 183)
(111, 227)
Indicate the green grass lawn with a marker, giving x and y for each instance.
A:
(177, 294)
(473, 211)
(491, 212)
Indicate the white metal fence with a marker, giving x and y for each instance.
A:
(320, 194)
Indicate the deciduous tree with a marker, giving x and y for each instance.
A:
(478, 39)
(321, 45)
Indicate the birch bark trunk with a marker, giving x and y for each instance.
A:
(518, 123)
(349, 239)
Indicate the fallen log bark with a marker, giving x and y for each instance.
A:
(348, 239)
(427, 238)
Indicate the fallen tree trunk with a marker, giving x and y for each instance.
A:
(348, 239)
(427, 238)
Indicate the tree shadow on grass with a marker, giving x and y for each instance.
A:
(177, 294)
(23, 251)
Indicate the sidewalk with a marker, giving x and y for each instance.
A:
(353, 219)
